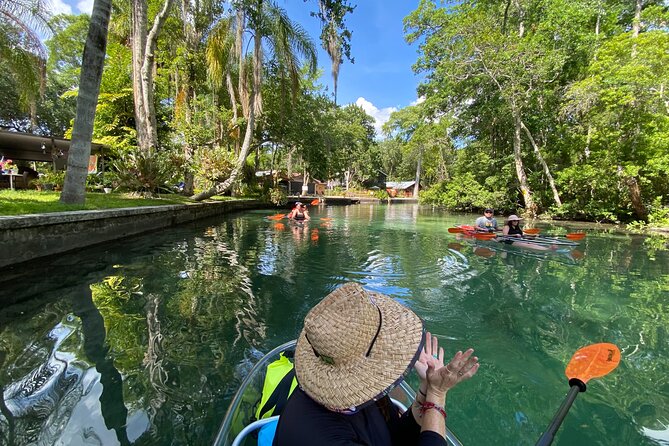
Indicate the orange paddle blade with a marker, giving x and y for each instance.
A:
(315, 201)
(576, 236)
(276, 217)
(326, 218)
(593, 361)
(279, 226)
(455, 230)
(532, 231)
(484, 236)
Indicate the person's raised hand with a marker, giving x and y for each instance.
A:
(462, 367)
(430, 354)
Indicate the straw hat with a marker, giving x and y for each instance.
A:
(356, 345)
(513, 217)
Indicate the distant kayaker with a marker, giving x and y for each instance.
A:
(512, 229)
(512, 226)
(299, 212)
(355, 346)
(487, 222)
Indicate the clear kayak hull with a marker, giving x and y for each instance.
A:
(241, 410)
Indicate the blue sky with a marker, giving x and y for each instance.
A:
(380, 80)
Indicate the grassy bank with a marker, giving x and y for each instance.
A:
(32, 202)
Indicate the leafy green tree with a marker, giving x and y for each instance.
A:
(287, 42)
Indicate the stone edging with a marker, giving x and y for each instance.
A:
(29, 237)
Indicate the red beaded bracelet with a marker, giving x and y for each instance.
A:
(428, 405)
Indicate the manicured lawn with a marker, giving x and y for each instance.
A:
(33, 202)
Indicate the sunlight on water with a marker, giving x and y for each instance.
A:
(145, 340)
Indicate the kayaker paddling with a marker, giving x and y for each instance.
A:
(355, 347)
(299, 212)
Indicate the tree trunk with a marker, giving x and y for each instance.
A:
(74, 188)
(530, 206)
(143, 57)
(634, 189)
(418, 166)
(547, 171)
(636, 25)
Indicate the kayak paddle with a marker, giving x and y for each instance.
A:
(455, 230)
(592, 361)
(277, 216)
(570, 236)
(484, 236)
(314, 202)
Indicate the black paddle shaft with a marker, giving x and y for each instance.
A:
(576, 386)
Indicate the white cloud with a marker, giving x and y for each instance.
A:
(420, 100)
(60, 7)
(380, 115)
(85, 6)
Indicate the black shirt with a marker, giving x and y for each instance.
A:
(305, 422)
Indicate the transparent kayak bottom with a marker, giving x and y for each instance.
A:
(239, 415)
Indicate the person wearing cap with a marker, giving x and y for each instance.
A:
(299, 212)
(512, 227)
(355, 347)
(487, 222)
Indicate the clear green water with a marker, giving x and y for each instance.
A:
(145, 340)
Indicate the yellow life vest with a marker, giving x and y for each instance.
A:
(279, 384)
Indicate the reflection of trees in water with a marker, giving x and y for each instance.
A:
(39, 403)
(153, 358)
(38, 406)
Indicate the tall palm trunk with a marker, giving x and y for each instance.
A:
(74, 188)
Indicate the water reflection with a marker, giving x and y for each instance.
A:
(144, 341)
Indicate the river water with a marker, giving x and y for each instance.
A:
(145, 340)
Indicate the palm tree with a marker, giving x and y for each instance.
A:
(21, 49)
(273, 34)
(74, 189)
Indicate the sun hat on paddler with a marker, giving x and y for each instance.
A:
(356, 345)
(513, 217)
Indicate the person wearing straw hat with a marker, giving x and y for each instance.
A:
(355, 346)
(512, 227)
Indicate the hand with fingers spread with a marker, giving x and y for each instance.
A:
(441, 379)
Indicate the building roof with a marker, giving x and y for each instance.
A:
(399, 185)
(29, 147)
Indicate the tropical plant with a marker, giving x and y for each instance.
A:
(21, 48)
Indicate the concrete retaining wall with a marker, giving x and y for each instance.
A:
(28, 237)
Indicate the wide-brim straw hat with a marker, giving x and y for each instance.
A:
(356, 345)
(513, 218)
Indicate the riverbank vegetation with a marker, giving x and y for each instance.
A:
(557, 109)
